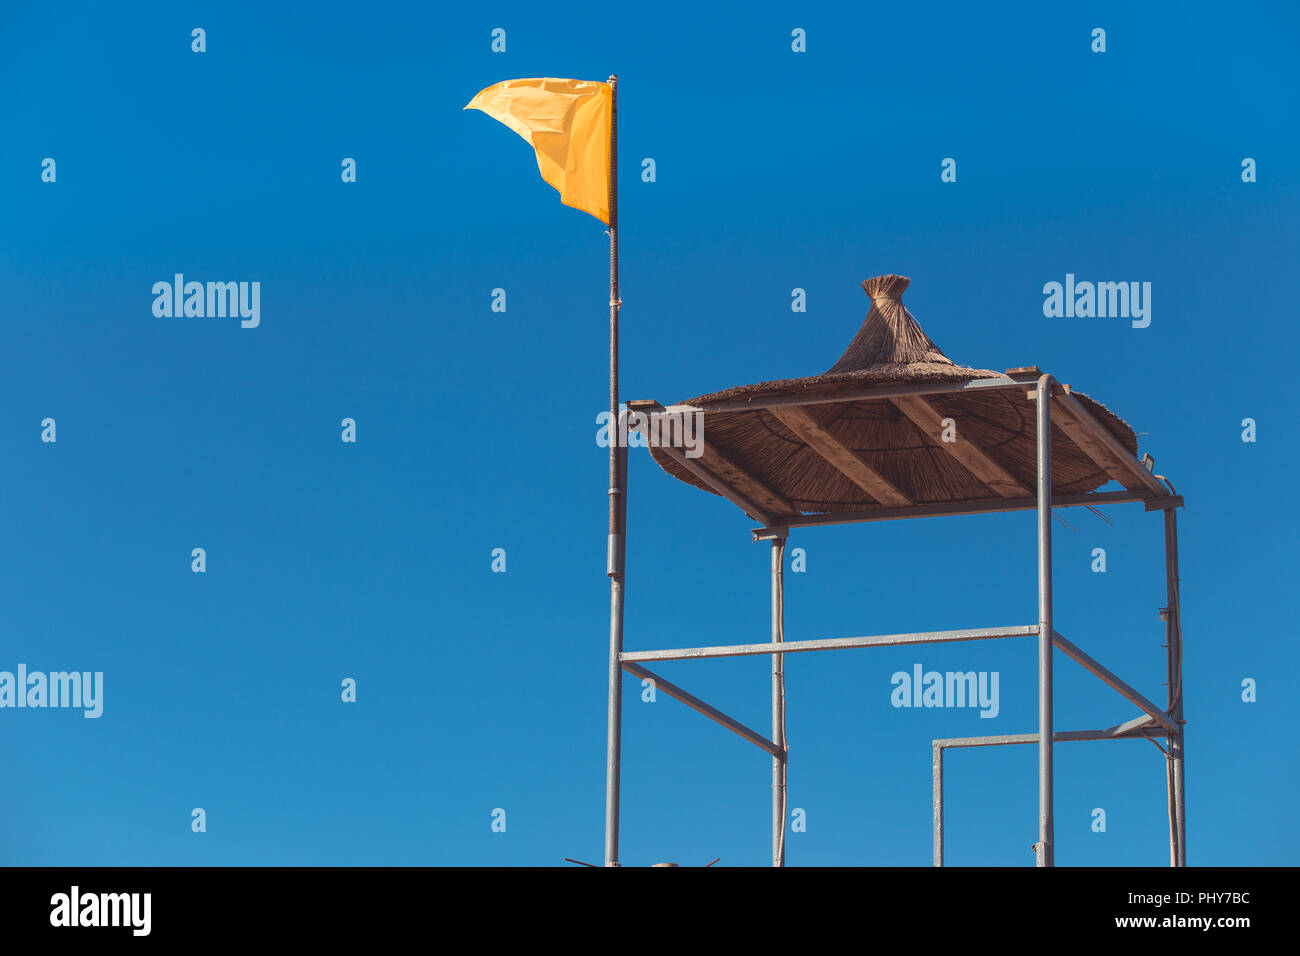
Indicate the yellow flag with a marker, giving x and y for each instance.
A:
(567, 122)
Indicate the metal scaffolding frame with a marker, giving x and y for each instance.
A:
(1091, 437)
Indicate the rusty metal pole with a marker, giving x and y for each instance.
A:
(616, 548)
(1174, 644)
(1043, 849)
(779, 764)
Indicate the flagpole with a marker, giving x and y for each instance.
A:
(616, 548)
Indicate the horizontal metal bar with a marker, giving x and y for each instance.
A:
(1111, 680)
(830, 644)
(987, 506)
(1129, 730)
(693, 702)
(853, 395)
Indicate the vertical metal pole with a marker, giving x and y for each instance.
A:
(779, 764)
(616, 548)
(1043, 850)
(1174, 643)
(938, 805)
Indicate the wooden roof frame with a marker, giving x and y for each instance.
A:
(776, 514)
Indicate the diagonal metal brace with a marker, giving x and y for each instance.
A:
(693, 702)
(1127, 692)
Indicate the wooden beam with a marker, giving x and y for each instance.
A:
(744, 482)
(928, 419)
(729, 480)
(847, 461)
(711, 480)
(1097, 442)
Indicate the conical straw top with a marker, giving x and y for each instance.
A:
(889, 336)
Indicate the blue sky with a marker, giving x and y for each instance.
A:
(476, 430)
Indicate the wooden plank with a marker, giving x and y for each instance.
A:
(1102, 447)
(728, 479)
(744, 482)
(847, 461)
(750, 508)
(928, 419)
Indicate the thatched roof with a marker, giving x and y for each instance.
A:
(895, 452)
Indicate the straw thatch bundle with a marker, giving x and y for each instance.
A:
(890, 348)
